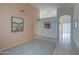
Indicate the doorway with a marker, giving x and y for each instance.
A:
(65, 29)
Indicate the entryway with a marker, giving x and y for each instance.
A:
(65, 29)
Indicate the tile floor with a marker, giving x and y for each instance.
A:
(44, 47)
(66, 49)
(33, 47)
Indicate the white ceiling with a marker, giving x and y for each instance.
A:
(50, 9)
(53, 5)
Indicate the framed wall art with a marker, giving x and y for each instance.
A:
(47, 24)
(17, 24)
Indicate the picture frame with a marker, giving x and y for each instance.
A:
(17, 24)
(47, 24)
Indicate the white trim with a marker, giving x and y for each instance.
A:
(46, 38)
(14, 45)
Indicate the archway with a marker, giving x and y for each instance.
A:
(65, 29)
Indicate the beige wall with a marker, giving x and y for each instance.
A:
(8, 38)
(36, 22)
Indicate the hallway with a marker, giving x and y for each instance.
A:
(46, 29)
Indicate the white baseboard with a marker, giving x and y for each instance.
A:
(47, 38)
(14, 45)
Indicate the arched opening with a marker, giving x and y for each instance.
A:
(65, 29)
